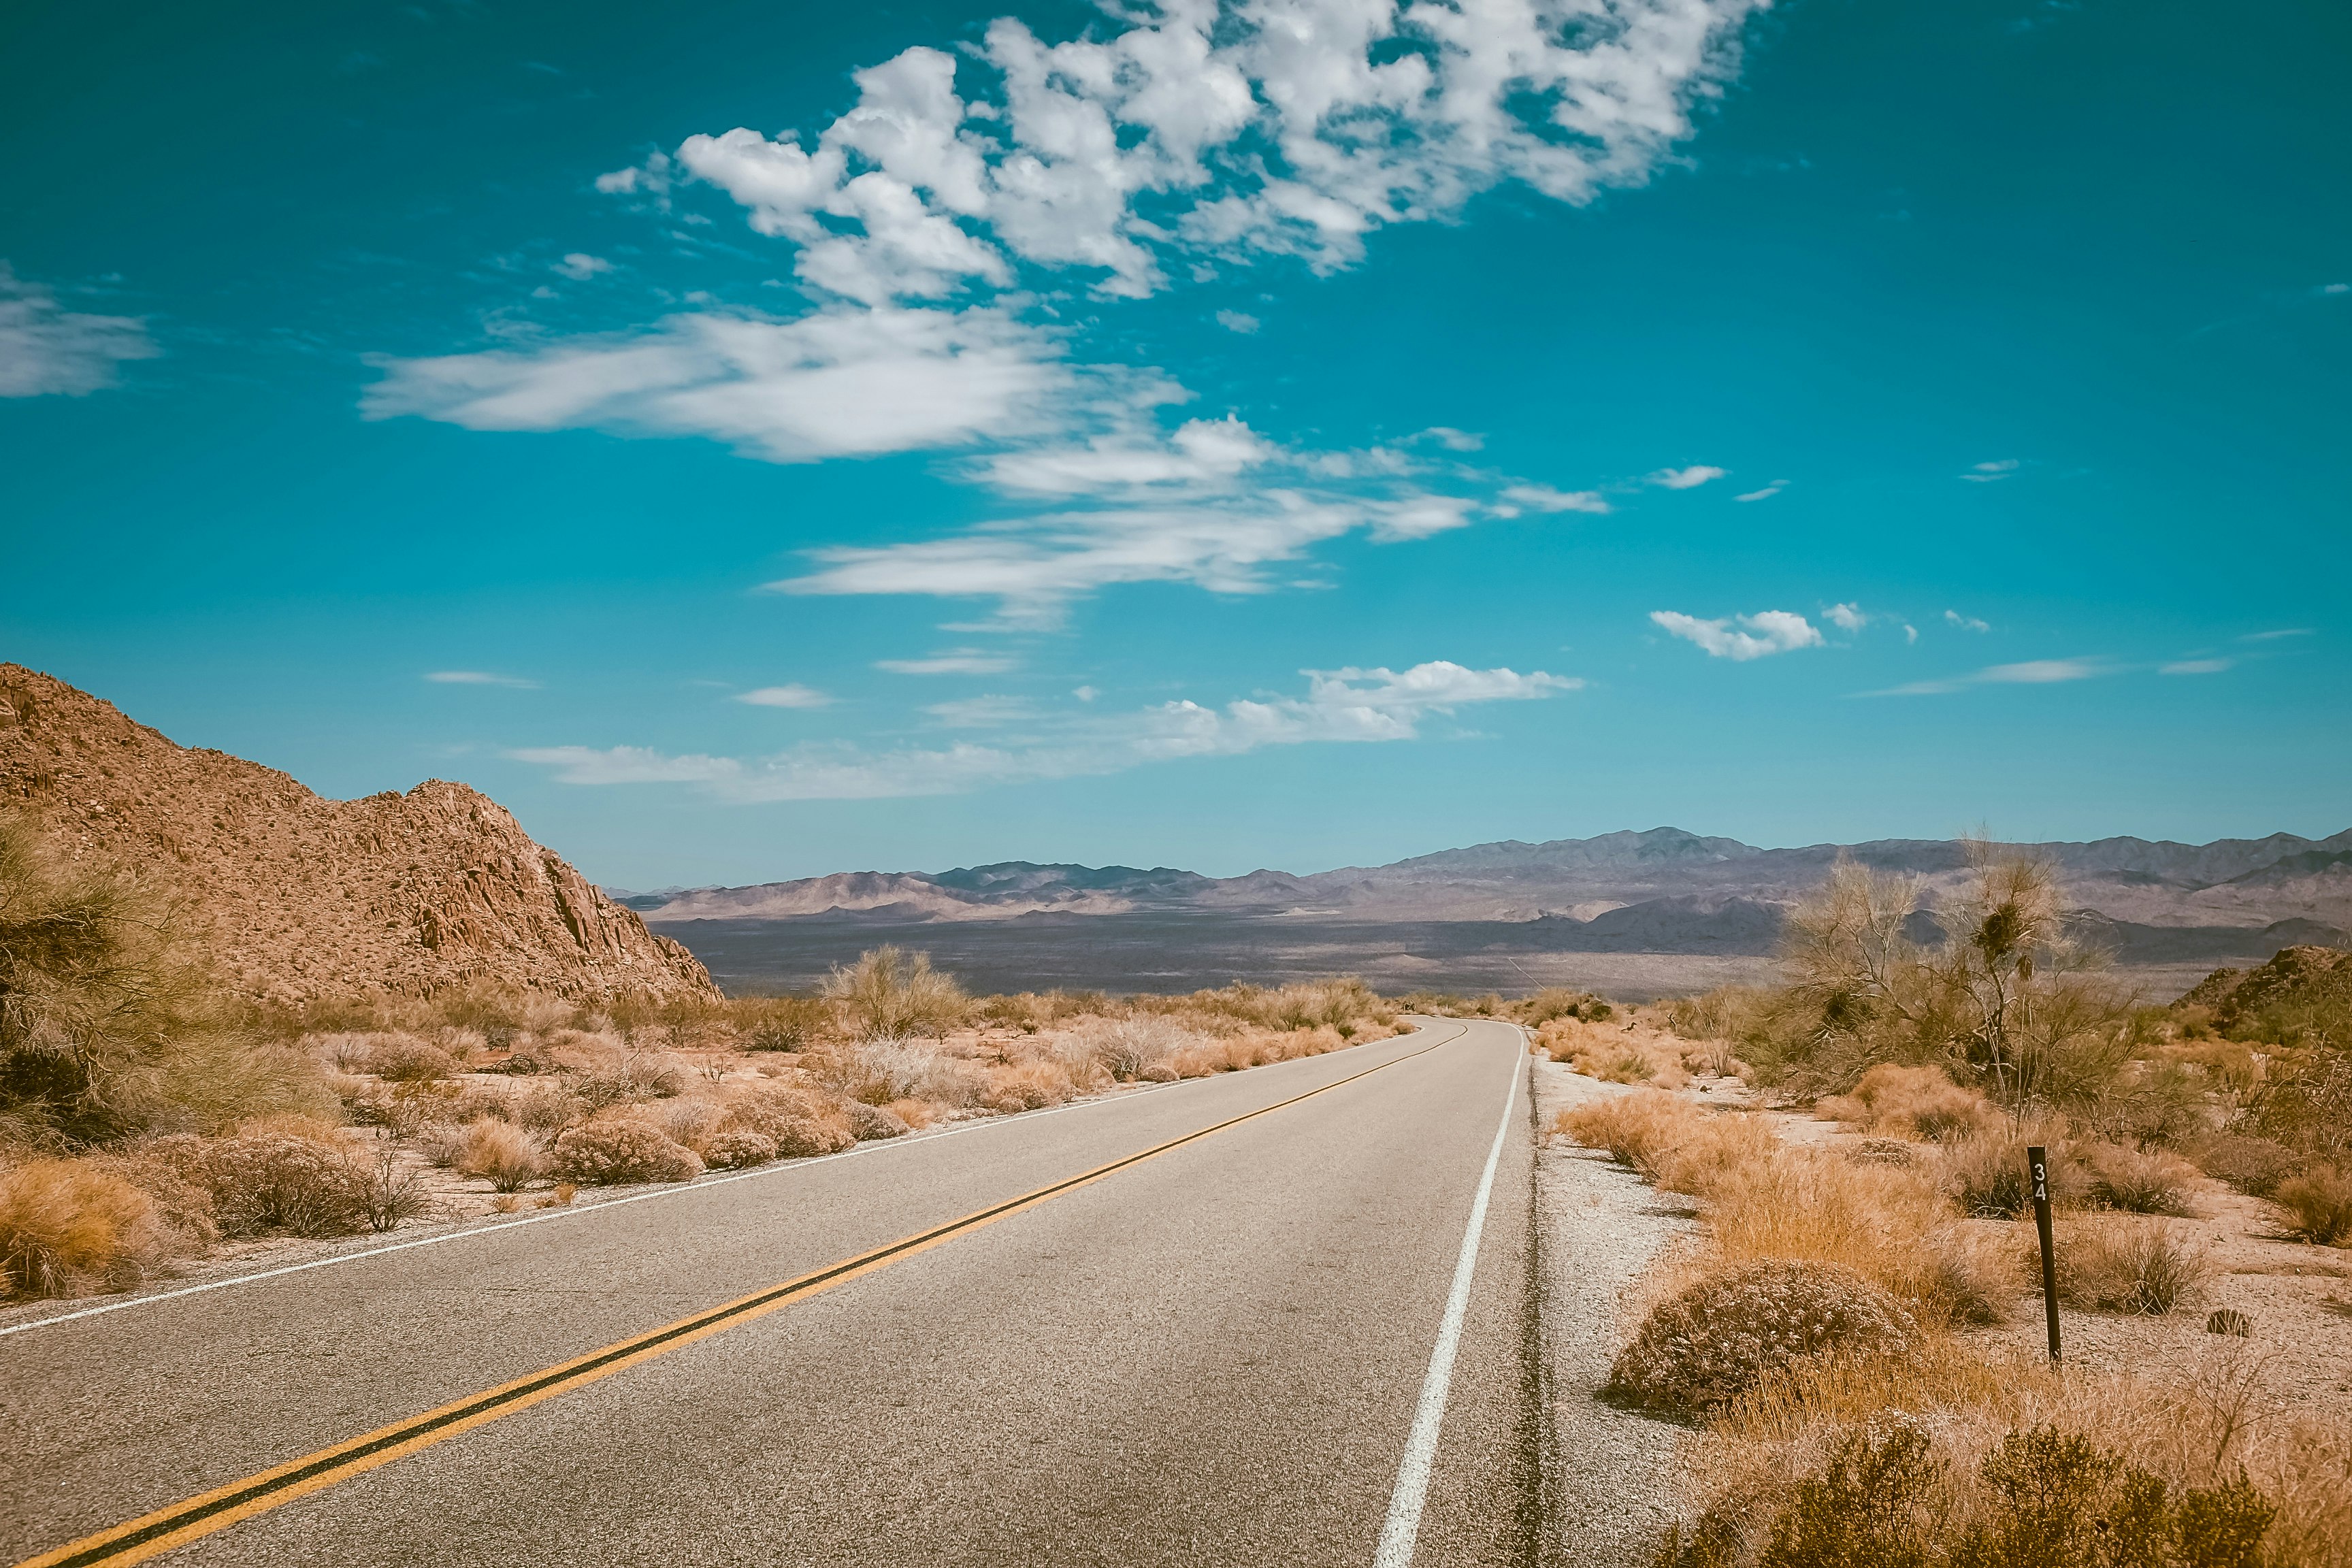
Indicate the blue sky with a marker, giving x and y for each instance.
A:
(778, 439)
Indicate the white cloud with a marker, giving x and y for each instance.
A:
(1910, 633)
(1543, 498)
(1085, 693)
(790, 695)
(580, 266)
(981, 712)
(1240, 321)
(1767, 493)
(1845, 618)
(1340, 705)
(1966, 623)
(1243, 130)
(45, 349)
(842, 383)
(1687, 478)
(1453, 440)
(955, 661)
(1760, 634)
(2032, 672)
(1986, 473)
(2274, 637)
(2195, 667)
(480, 677)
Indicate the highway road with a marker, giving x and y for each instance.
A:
(1267, 1343)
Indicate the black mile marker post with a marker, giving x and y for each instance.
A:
(2037, 1164)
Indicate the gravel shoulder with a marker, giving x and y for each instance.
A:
(1610, 1473)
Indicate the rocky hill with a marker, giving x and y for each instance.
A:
(297, 897)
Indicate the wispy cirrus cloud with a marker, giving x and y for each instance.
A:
(790, 695)
(1340, 706)
(2196, 667)
(1742, 637)
(953, 661)
(2030, 672)
(47, 350)
(480, 677)
(1989, 473)
(1767, 493)
(1965, 623)
(1687, 478)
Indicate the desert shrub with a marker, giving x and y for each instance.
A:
(1912, 1102)
(440, 1144)
(1970, 1276)
(66, 1227)
(1713, 1339)
(2162, 1104)
(688, 1119)
(783, 1023)
(2142, 1267)
(867, 1122)
(395, 1194)
(2253, 1165)
(1988, 1177)
(606, 1154)
(1559, 1002)
(502, 1154)
(109, 1026)
(1029, 1086)
(545, 1109)
(1676, 1145)
(1126, 1048)
(888, 993)
(403, 1058)
(2320, 1200)
(2041, 1499)
(737, 1149)
(2138, 1184)
(882, 1068)
(795, 1121)
(264, 1181)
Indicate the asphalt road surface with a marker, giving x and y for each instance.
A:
(1220, 1355)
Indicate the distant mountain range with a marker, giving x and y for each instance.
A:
(1665, 890)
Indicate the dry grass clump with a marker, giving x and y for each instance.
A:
(608, 1153)
(1611, 1055)
(1989, 1176)
(1678, 1145)
(502, 1154)
(66, 1228)
(1713, 1341)
(2138, 1182)
(2131, 1265)
(2320, 1201)
(1131, 1048)
(1912, 1102)
(2252, 1165)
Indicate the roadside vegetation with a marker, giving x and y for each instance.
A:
(1854, 1333)
(145, 1117)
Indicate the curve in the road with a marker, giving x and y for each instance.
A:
(150, 1536)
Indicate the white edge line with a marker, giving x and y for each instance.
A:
(778, 1169)
(1402, 1529)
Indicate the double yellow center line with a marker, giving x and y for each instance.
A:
(152, 1534)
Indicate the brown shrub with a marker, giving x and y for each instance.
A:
(2321, 1202)
(867, 1122)
(67, 1226)
(738, 1149)
(606, 1154)
(2135, 1182)
(2142, 1266)
(2252, 1165)
(1030, 1085)
(1912, 1102)
(396, 1193)
(1713, 1341)
(401, 1058)
(502, 1154)
(276, 1179)
(797, 1121)
(1988, 1177)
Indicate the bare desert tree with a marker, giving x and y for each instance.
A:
(888, 993)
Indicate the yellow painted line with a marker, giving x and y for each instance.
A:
(150, 1536)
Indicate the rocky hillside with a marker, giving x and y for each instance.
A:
(297, 897)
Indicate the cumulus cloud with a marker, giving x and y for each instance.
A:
(840, 382)
(46, 349)
(579, 266)
(1845, 618)
(1754, 637)
(1240, 321)
(1351, 705)
(1687, 478)
(1966, 623)
(2032, 672)
(479, 678)
(1231, 132)
(790, 695)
